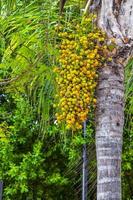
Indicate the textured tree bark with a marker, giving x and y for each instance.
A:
(116, 19)
(110, 119)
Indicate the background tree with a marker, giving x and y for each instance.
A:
(38, 160)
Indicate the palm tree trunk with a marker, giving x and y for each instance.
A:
(109, 128)
(115, 18)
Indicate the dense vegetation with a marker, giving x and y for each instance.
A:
(40, 159)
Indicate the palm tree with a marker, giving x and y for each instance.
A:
(115, 18)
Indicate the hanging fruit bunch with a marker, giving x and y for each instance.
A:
(80, 55)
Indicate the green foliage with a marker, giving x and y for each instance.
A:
(33, 164)
(28, 53)
(37, 159)
(128, 134)
(28, 162)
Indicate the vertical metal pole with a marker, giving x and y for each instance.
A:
(1, 188)
(84, 167)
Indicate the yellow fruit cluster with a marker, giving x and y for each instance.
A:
(76, 76)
